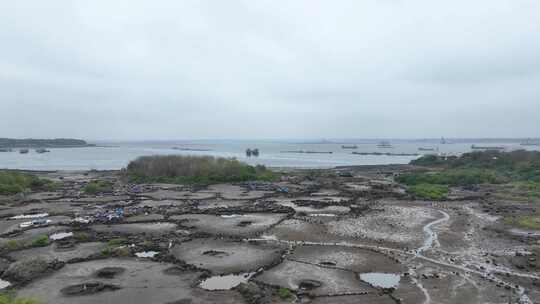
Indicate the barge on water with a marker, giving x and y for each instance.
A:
(491, 148)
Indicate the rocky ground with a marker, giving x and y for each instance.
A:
(329, 237)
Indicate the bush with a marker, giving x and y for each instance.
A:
(180, 169)
(14, 245)
(10, 299)
(40, 241)
(452, 177)
(81, 236)
(97, 186)
(13, 182)
(284, 293)
(526, 222)
(429, 191)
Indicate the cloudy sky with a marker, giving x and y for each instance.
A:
(269, 69)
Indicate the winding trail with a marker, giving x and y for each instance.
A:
(431, 235)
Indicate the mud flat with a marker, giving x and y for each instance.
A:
(137, 228)
(60, 253)
(232, 192)
(178, 195)
(239, 225)
(123, 281)
(327, 238)
(226, 257)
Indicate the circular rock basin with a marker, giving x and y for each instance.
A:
(130, 281)
(222, 257)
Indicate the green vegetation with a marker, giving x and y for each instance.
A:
(13, 245)
(117, 242)
(178, 169)
(81, 236)
(40, 241)
(6, 298)
(13, 182)
(518, 165)
(284, 293)
(115, 247)
(451, 177)
(97, 186)
(526, 221)
(429, 191)
(517, 173)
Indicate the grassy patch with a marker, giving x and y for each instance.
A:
(13, 182)
(451, 177)
(97, 186)
(117, 242)
(525, 222)
(284, 293)
(429, 191)
(518, 165)
(40, 241)
(178, 169)
(6, 298)
(81, 236)
(14, 245)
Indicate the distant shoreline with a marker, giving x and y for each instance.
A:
(32, 143)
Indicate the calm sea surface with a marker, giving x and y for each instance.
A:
(116, 155)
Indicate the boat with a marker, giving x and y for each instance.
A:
(384, 144)
(385, 154)
(308, 152)
(443, 141)
(191, 149)
(428, 149)
(252, 152)
(497, 148)
(23, 151)
(42, 151)
(528, 142)
(349, 147)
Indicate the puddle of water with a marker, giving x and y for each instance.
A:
(60, 235)
(4, 284)
(230, 215)
(225, 282)
(383, 280)
(322, 214)
(38, 222)
(29, 216)
(146, 254)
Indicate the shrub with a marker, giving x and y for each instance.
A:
(40, 241)
(284, 293)
(180, 169)
(97, 186)
(13, 182)
(526, 221)
(81, 236)
(117, 242)
(452, 177)
(14, 245)
(10, 299)
(429, 191)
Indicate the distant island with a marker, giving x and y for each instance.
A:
(43, 143)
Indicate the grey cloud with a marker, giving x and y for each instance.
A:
(206, 69)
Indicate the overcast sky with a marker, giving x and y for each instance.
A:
(269, 69)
